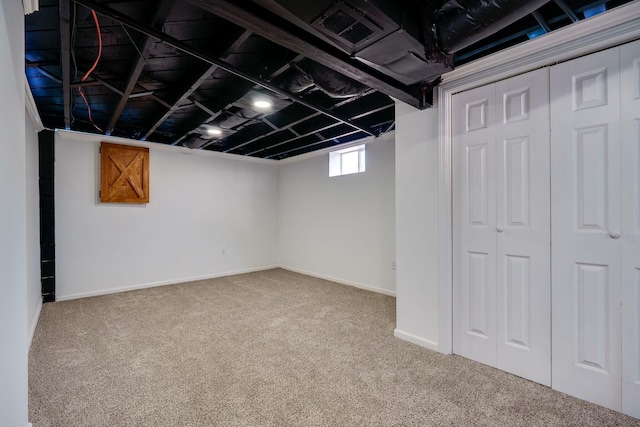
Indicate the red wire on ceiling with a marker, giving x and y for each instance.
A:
(95, 64)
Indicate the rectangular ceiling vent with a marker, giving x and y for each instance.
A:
(348, 25)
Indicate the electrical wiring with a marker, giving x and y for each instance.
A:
(84, 98)
(95, 64)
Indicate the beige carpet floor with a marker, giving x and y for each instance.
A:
(272, 348)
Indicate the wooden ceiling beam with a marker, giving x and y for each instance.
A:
(311, 48)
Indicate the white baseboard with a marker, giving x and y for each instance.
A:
(161, 283)
(431, 345)
(341, 281)
(34, 322)
(63, 297)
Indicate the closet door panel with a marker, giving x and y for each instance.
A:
(585, 176)
(523, 226)
(474, 231)
(630, 238)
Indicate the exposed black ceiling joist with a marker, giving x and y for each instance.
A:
(509, 39)
(301, 43)
(194, 85)
(176, 104)
(314, 132)
(49, 75)
(273, 132)
(65, 59)
(191, 93)
(162, 11)
(343, 135)
(97, 81)
(32, 64)
(290, 126)
(567, 10)
(160, 100)
(203, 56)
(204, 108)
(297, 137)
(540, 20)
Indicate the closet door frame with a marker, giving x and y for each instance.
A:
(603, 31)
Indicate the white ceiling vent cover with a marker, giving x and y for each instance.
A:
(348, 24)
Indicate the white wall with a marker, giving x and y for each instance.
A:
(417, 225)
(341, 228)
(13, 248)
(200, 204)
(34, 288)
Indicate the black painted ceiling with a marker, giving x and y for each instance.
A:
(169, 71)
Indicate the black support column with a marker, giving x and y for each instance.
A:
(47, 216)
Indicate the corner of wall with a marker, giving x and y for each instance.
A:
(33, 322)
(34, 285)
(414, 339)
(341, 281)
(340, 228)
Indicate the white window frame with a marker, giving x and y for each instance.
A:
(338, 166)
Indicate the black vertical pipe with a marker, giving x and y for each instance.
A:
(46, 156)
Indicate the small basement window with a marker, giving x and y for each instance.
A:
(347, 161)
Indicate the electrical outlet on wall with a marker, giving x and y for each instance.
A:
(393, 265)
(222, 251)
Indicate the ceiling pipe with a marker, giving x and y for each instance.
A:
(306, 73)
(203, 56)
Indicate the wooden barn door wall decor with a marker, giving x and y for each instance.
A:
(124, 173)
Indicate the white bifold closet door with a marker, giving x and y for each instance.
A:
(501, 232)
(595, 202)
(630, 240)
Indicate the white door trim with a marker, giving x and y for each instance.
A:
(609, 29)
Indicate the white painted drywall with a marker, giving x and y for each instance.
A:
(34, 288)
(13, 223)
(417, 225)
(341, 228)
(200, 203)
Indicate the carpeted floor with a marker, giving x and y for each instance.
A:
(272, 348)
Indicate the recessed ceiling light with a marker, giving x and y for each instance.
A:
(214, 131)
(261, 103)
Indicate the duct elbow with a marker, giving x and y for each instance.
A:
(306, 74)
